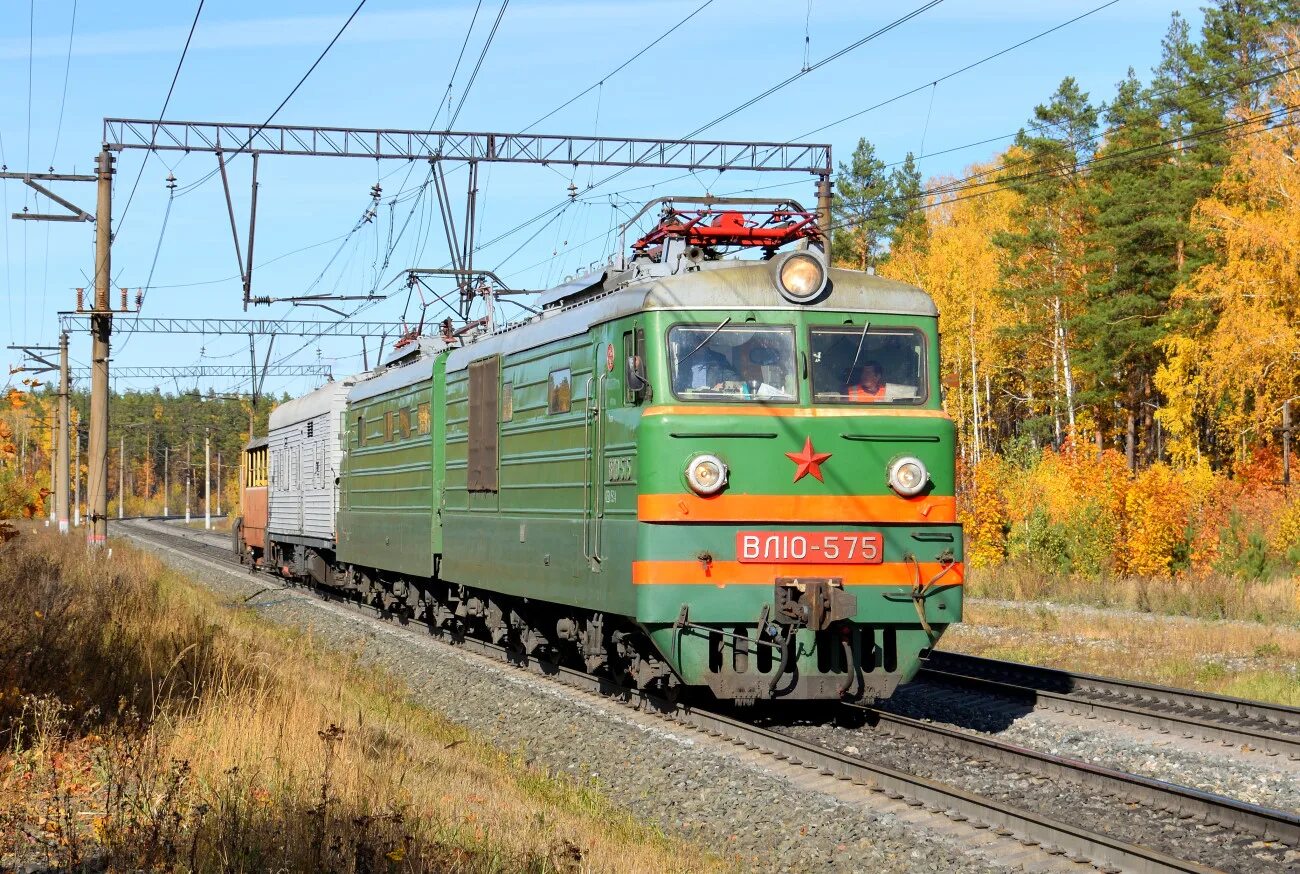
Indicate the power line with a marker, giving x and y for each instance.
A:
(162, 114)
(959, 71)
(647, 47)
(451, 81)
(772, 90)
(1249, 126)
(288, 97)
(67, 68)
(851, 47)
(451, 122)
(31, 42)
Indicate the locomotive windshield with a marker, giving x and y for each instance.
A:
(867, 365)
(733, 362)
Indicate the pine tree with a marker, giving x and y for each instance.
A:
(863, 209)
(1133, 264)
(1043, 272)
(909, 227)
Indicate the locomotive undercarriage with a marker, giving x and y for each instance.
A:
(552, 634)
(745, 663)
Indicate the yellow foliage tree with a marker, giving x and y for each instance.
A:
(958, 264)
(1156, 512)
(1237, 362)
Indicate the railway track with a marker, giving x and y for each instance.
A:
(1042, 835)
(1269, 728)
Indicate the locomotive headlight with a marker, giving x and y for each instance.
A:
(800, 277)
(908, 476)
(706, 474)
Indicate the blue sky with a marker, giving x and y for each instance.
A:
(391, 70)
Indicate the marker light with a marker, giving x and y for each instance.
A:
(908, 476)
(706, 474)
(801, 277)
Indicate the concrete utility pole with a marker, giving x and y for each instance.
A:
(101, 327)
(220, 484)
(54, 465)
(166, 453)
(189, 478)
(824, 209)
(121, 474)
(207, 482)
(61, 480)
(76, 476)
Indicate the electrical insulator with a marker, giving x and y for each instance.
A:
(80, 299)
(375, 191)
(124, 309)
(573, 191)
(171, 181)
(139, 299)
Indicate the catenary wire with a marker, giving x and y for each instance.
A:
(851, 47)
(487, 44)
(614, 72)
(161, 114)
(960, 70)
(773, 89)
(1249, 126)
(67, 68)
(252, 136)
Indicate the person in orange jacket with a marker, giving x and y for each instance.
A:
(869, 384)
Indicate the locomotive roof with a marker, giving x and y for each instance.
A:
(325, 399)
(392, 378)
(727, 285)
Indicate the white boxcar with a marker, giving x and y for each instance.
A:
(306, 457)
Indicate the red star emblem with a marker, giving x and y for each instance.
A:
(808, 462)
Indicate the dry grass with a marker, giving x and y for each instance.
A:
(1205, 595)
(145, 725)
(1244, 659)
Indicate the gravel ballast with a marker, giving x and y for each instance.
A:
(725, 800)
(1270, 781)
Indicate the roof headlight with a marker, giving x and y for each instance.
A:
(908, 476)
(800, 277)
(706, 474)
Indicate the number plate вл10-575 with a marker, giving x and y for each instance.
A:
(811, 547)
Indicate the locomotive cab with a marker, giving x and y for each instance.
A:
(797, 534)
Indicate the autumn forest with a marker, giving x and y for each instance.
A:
(1119, 293)
(1119, 297)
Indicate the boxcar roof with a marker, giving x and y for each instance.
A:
(728, 285)
(327, 398)
(256, 443)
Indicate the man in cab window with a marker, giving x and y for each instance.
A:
(867, 385)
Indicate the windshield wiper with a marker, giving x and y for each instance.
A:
(858, 354)
(705, 341)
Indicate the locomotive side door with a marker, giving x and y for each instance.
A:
(597, 394)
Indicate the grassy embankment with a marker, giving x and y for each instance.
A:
(1212, 632)
(146, 725)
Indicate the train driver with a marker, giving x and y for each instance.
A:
(867, 385)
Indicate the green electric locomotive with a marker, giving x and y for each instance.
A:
(685, 471)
